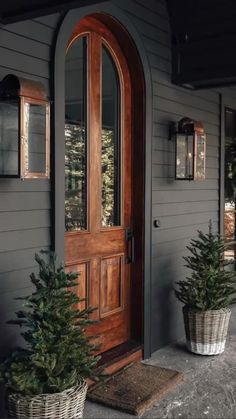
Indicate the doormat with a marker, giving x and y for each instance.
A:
(135, 388)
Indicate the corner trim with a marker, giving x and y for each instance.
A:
(225, 102)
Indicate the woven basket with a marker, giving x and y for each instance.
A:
(206, 331)
(65, 405)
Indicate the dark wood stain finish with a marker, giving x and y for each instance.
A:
(138, 172)
(104, 248)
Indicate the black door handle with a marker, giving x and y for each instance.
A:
(129, 237)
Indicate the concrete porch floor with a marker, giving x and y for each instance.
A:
(209, 389)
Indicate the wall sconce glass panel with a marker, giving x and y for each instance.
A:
(24, 129)
(35, 140)
(184, 156)
(190, 151)
(200, 156)
(9, 139)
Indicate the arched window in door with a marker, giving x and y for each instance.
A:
(76, 136)
(80, 134)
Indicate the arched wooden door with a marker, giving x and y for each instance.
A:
(98, 207)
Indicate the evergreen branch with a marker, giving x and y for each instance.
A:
(210, 285)
(58, 350)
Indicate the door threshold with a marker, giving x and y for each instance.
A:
(119, 357)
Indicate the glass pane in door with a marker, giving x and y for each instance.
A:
(76, 136)
(111, 144)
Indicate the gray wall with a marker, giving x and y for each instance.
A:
(25, 50)
(182, 207)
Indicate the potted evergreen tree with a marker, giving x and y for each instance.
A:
(207, 294)
(46, 378)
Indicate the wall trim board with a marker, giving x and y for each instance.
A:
(226, 101)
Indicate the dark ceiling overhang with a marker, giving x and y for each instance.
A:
(203, 42)
(203, 35)
(15, 10)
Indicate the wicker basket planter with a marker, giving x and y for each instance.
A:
(68, 404)
(206, 331)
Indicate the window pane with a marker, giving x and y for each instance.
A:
(230, 182)
(184, 161)
(76, 136)
(9, 139)
(200, 158)
(110, 142)
(35, 129)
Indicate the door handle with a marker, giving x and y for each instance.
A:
(129, 237)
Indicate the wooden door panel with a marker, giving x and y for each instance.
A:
(81, 289)
(111, 332)
(78, 246)
(112, 292)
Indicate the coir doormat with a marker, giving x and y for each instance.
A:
(135, 388)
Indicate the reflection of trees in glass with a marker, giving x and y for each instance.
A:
(184, 156)
(230, 183)
(230, 170)
(200, 160)
(110, 204)
(75, 177)
(230, 188)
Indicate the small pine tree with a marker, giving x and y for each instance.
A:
(57, 351)
(210, 286)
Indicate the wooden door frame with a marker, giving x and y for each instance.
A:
(104, 247)
(141, 278)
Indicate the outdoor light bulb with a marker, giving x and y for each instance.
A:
(189, 155)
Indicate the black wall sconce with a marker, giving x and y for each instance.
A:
(190, 149)
(24, 129)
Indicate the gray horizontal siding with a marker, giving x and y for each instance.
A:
(8, 282)
(171, 233)
(159, 184)
(209, 102)
(167, 172)
(29, 47)
(23, 259)
(21, 220)
(178, 220)
(183, 207)
(51, 20)
(32, 29)
(178, 208)
(30, 65)
(25, 206)
(24, 239)
(9, 304)
(25, 48)
(42, 185)
(164, 51)
(11, 201)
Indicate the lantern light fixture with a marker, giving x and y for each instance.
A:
(190, 150)
(24, 129)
